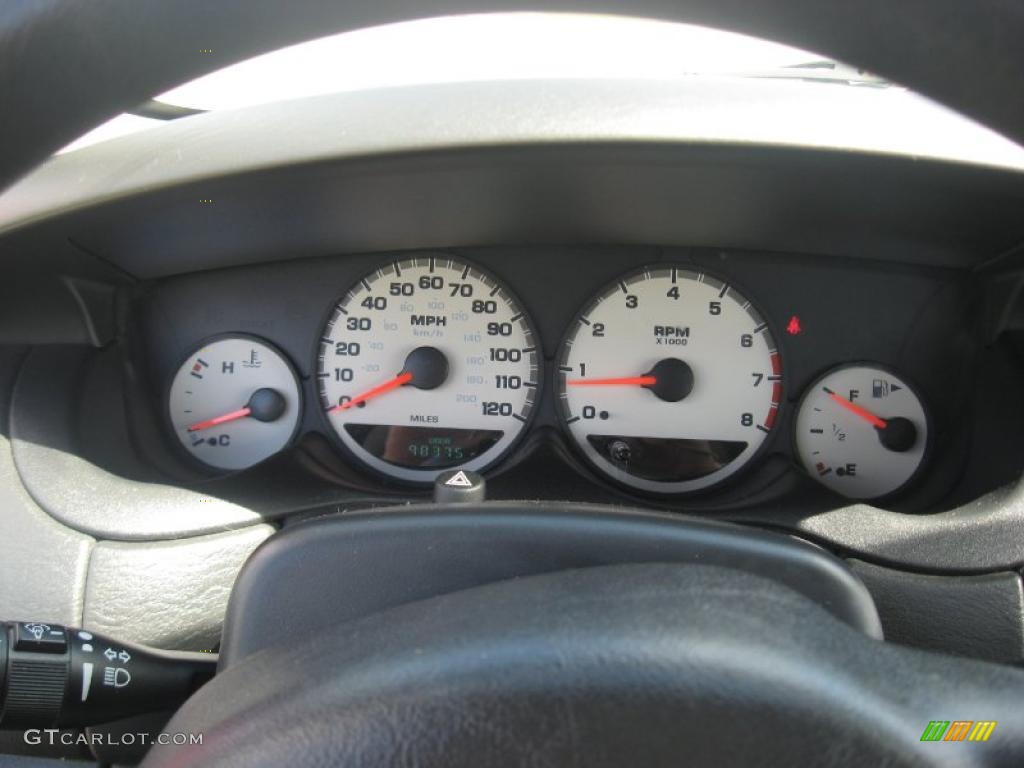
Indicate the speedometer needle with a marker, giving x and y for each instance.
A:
(425, 368)
(380, 389)
(852, 407)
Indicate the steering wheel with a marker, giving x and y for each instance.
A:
(618, 665)
(636, 664)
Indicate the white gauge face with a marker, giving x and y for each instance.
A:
(234, 402)
(861, 431)
(670, 380)
(428, 364)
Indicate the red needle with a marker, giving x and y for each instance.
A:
(627, 381)
(865, 414)
(380, 389)
(241, 413)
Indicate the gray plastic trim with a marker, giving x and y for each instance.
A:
(42, 563)
(170, 595)
(430, 118)
(976, 616)
(166, 594)
(743, 197)
(984, 535)
(83, 496)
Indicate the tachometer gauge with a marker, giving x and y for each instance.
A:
(234, 402)
(670, 380)
(428, 364)
(861, 431)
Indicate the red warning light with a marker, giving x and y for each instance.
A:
(794, 328)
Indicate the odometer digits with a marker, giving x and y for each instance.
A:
(428, 364)
(670, 380)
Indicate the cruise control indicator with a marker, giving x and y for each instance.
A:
(670, 380)
(425, 365)
(862, 431)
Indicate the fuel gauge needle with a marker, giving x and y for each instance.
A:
(852, 407)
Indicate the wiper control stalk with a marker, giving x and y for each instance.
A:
(53, 676)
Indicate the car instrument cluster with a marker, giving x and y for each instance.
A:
(668, 380)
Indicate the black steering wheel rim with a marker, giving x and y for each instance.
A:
(637, 664)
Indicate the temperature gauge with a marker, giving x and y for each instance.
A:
(861, 431)
(234, 402)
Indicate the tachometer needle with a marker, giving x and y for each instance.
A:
(241, 413)
(626, 381)
(852, 407)
(380, 389)
(670, 380)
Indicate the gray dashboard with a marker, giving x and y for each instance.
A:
(908, 262)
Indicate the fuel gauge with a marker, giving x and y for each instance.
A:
(862, 431)
(234, 402)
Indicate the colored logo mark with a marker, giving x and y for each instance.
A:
(958, 730)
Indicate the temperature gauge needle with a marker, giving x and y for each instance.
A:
(852, 407)
(265, 405)
(224, 418)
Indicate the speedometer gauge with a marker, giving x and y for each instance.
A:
(670, 380)
(428, 364)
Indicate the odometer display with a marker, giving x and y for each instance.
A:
(425, 447)
(670, 380)
(428, 364)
